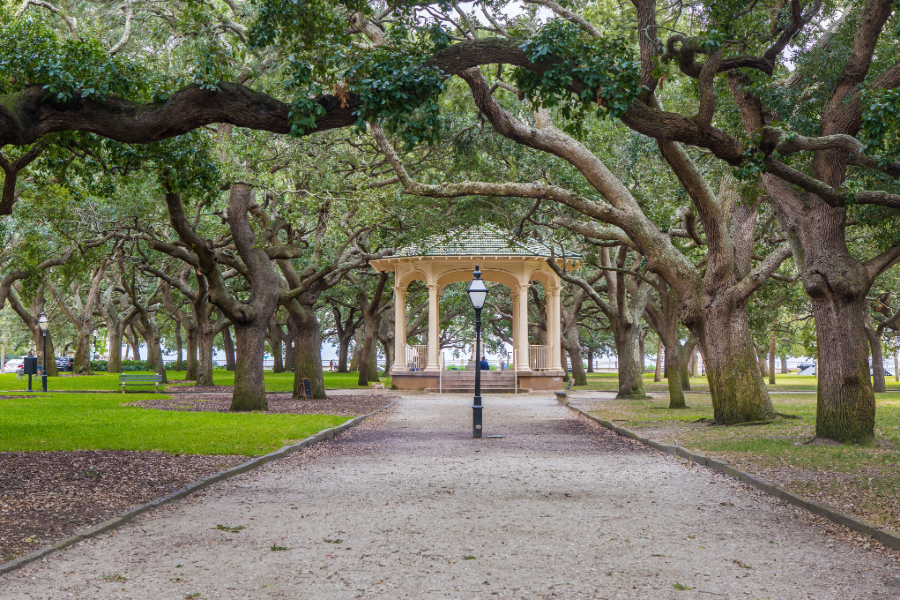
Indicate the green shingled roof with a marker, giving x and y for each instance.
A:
(482, 240)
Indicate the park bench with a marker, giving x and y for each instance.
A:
(139, 379)
(563, 396)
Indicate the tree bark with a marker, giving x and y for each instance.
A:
(879, 385)
(663, 317)
(571, 343)
(249, 383)
(657, 375)
(388, 348)
(772, 341)
(135, 342)
(179, 349)
(228, 349)
(148, 328)
(288, 348)
(343, 351)
(676, 393)
(631, 382)
(357, 349)
(685, 353)
(191, 371)
(590, 359)
(205, 337)
(304, 328)
(738, 391)
(784, 365)
(81, 363)
(372, 312)
(695, 361)
(114, 364)
(846, 401)
(275, 345)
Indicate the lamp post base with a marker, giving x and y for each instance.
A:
(476, 418)
(44, 382)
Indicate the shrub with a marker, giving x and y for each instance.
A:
(101, 366)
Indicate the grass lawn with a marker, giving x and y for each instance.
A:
(861, 480)
(275, 382)
(101, 422)
(608, 382)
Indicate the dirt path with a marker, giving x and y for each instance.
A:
(408, 506)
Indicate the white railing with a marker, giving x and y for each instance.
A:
(416, 357)
(539, 357)
(441, 372)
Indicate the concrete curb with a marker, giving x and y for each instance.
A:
(889, 538)
(128, 515)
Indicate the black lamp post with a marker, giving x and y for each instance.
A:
(44, 324)
(477, 294)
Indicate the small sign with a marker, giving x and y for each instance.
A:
(307, 388)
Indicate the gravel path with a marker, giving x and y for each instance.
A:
(408, 506)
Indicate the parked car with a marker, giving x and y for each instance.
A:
(14, 365)
(65, 363)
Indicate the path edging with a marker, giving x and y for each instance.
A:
(889, 538)
(128, 515)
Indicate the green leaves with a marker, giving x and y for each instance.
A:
(300, 25)
(604, 72)
(32, 52)
(880, 121)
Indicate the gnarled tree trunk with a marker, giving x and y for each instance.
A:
(879, 385)
(249, 383)
(304, 328)
(772, 341)
(738, 391)
(179, 346)
(571, 343)
(228, 349)
(631, 381)
(274, 339)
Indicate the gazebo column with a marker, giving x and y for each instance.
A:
(553, 327)
(399, 331)
(434, 323)
(515, 326)
(522, 328)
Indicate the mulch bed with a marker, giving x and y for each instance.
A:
(48, 496)
(345, 406)
(189, 388)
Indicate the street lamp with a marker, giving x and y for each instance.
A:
(477, 295)
(44, 324)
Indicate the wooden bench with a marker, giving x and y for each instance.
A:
(128, 379)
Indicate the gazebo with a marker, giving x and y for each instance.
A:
(451, 257)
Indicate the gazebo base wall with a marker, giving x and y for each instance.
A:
(542, 380)
(422, 380)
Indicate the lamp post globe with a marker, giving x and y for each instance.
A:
(44, 325)
(477, 295)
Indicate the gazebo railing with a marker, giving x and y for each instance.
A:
(539, 357)
(416, 357)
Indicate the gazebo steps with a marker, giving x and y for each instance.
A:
(471, 390)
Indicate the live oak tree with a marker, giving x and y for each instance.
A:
(573, 56)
